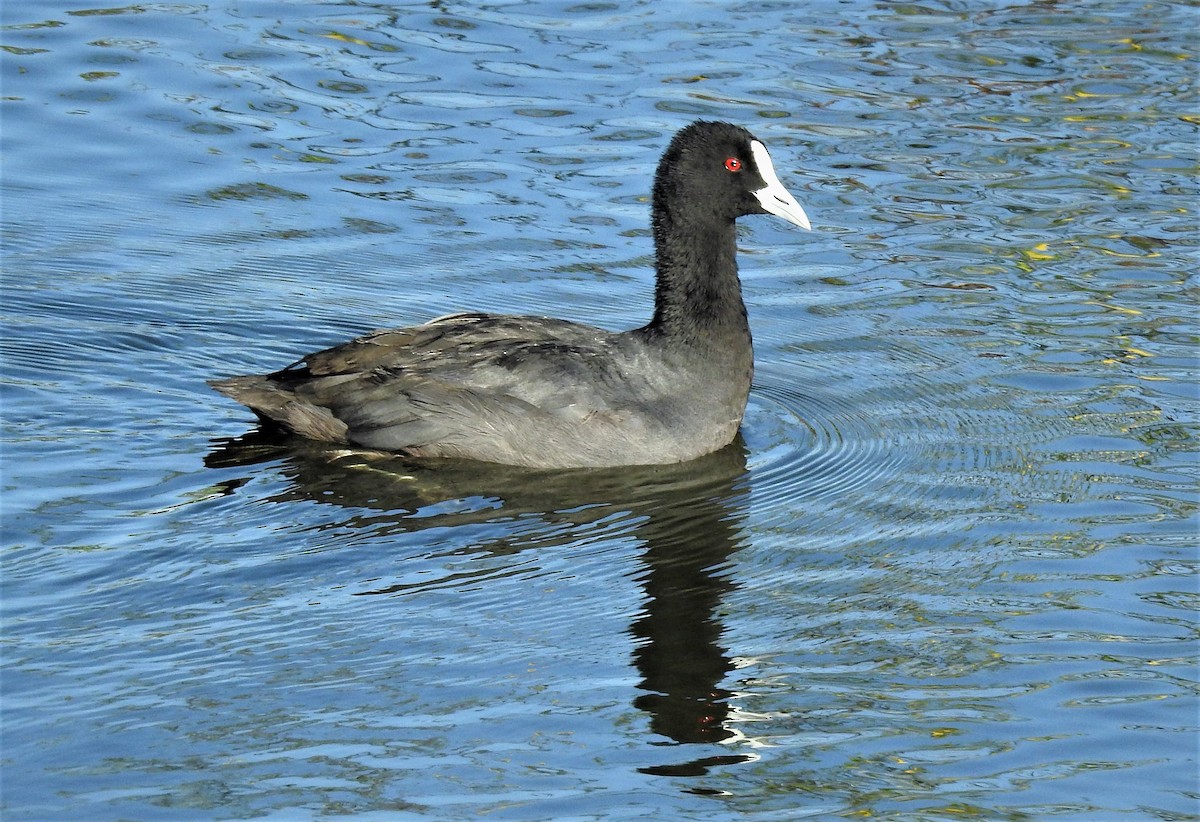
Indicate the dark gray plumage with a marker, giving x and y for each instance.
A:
(550, 393)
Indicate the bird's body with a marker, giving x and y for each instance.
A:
(550, 393)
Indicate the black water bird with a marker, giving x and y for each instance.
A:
(548, 393)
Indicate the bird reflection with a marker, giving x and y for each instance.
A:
(688, 517)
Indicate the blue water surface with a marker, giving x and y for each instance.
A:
(947, 572)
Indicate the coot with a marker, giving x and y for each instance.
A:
(548, 393)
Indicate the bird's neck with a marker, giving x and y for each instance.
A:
(698, 299)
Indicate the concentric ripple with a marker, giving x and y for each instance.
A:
(818, 444)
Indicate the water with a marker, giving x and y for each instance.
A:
(948, 572)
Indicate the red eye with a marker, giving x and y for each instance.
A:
(733, 164)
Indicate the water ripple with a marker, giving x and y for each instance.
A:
(821, 444)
